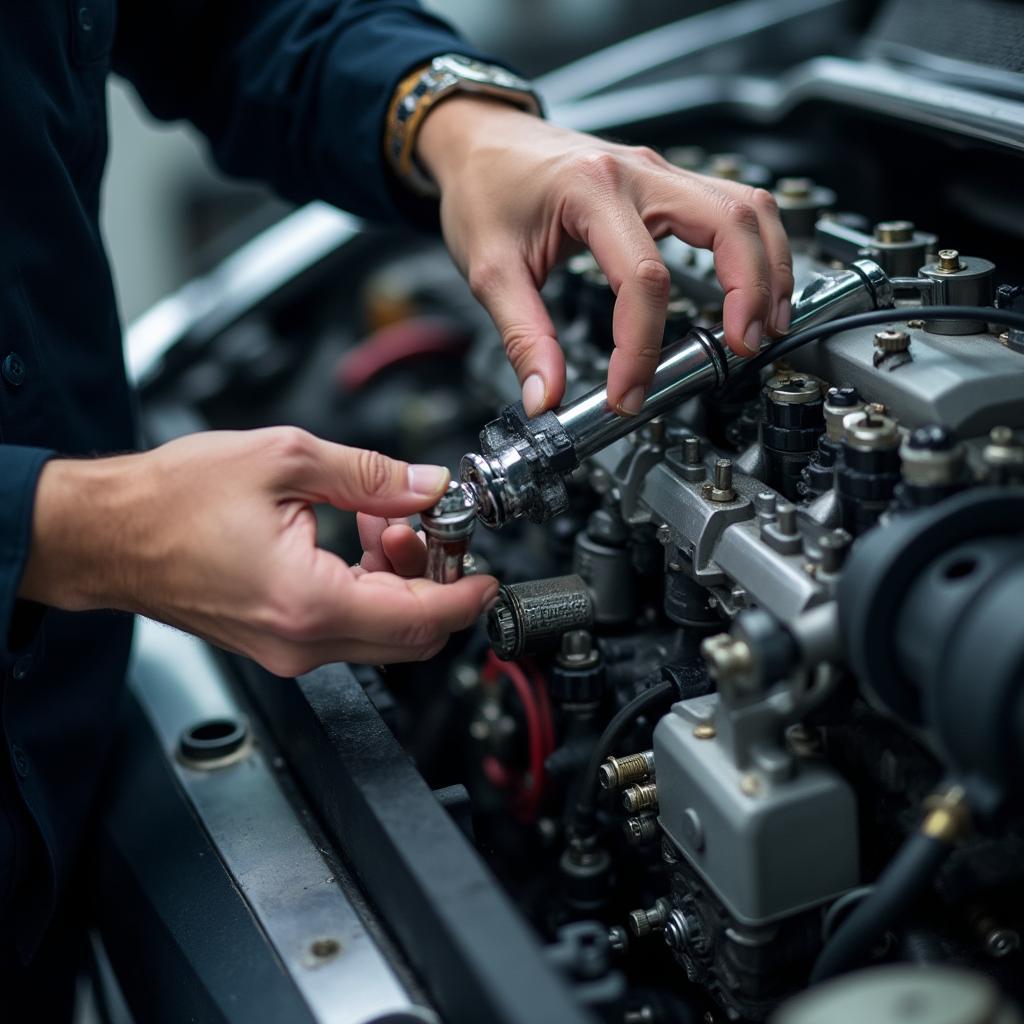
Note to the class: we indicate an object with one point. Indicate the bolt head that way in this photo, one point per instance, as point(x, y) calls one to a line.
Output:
point(794, 188)
point(750, 784)
point(949, 260)
point(894, 231)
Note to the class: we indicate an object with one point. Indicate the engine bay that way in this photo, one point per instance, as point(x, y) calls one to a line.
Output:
point(748, 714)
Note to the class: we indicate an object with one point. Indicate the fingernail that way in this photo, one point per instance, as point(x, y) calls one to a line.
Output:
point(785, 311)
point(533, 394)
point(427, 480)
point(633, 401)
point(752, 339)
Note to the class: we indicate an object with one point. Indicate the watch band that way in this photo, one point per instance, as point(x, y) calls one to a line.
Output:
point(421, 90)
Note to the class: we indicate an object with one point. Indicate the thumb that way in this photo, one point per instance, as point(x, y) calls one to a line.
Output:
point(508, 292)
point(360, 480)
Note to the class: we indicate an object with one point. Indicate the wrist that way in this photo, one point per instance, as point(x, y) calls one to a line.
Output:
point(84, 524)
point(461, 125)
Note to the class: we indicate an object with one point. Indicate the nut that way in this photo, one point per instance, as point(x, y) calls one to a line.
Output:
point(892, 341)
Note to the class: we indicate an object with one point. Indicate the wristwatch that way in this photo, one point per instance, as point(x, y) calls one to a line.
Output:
point(420, 91)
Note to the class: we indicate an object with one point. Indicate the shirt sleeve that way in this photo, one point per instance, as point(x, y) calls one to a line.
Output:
point(19, 474)
point(294, 92)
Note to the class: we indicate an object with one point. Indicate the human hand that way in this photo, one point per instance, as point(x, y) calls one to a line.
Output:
point(215, 534)
point(516, 191)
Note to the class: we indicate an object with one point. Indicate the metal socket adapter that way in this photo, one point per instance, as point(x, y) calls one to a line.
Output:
point(449, 527)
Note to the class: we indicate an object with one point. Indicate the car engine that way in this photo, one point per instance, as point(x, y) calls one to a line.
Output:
point(748, 715)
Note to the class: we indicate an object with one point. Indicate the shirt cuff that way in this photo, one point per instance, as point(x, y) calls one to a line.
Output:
point(19, 474)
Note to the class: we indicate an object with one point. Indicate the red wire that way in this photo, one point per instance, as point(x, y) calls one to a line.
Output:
point(494, 668)
point(544, 703)
point(408, 339)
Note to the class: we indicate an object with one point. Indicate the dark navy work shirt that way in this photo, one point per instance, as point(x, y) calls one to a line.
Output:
point(291, 91)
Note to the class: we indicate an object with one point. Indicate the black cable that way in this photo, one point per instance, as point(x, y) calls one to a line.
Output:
point(893, 897)
point(1003, 317)
point(586, 799)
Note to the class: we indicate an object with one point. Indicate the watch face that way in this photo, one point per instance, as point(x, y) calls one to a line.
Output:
point(476, 71)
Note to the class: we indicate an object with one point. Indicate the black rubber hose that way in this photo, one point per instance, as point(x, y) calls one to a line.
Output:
point(1003, 317)
point(586, 799)
point(893, 897)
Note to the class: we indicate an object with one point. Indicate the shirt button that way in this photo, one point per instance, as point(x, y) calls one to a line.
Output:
point(85, 19)
point(22, 667)
point(20, 761)
point(13, 369)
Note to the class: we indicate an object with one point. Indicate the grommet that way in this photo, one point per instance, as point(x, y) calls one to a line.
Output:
point(214, 743)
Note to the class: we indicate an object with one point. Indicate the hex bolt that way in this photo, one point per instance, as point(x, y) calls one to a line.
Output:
point(894, 231)
point(664, 535)
point(622, 771)
point(794, 188)
point(720, 488)
point(949, 261)
point(785, 514)
point(644, 922)
point(641, 829)
point(641, 797)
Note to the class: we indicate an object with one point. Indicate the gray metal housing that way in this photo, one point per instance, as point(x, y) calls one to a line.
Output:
point(768, 846)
